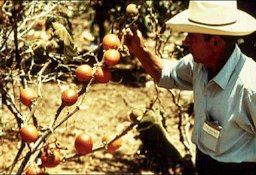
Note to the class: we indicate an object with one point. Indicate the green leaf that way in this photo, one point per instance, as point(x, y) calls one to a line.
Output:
point(61, 32)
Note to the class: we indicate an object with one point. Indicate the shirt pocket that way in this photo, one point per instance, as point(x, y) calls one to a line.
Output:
point(210, 140)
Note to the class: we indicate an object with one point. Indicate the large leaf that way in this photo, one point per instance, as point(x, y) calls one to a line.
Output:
point(61, 32)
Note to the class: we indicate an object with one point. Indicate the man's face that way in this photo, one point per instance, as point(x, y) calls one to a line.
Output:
point(200, 48)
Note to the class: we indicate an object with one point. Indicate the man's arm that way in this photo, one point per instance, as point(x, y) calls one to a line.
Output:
point(150, 62)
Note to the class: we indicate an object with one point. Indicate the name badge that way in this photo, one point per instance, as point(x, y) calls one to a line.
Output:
point(212, 129)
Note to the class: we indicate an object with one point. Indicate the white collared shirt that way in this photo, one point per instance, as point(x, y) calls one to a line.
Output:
point(228, 99)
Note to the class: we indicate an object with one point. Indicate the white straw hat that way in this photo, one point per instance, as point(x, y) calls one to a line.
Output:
point(213, 17)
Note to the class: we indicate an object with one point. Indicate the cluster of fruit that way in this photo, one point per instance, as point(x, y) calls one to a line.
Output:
point(51, 155)
point(85, 73)
point(111, 57)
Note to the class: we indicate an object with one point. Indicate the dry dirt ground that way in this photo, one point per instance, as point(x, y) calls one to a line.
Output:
point(104, 110)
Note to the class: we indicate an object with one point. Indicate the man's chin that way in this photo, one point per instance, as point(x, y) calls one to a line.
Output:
point(198, 61)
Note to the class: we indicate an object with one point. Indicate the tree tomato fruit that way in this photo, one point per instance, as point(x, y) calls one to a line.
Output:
point(51, 157)
point(111, 57)
point(132, 10)
point(27, 96)
point(112, 147)
point(110, 41)
point(84, 72)
point(38, 25)
point(69, 97)
point(29, 133)
point(33, 170)
point(83, 144)
point(102, 75)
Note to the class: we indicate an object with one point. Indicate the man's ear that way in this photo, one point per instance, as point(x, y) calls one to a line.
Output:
point(217, 43)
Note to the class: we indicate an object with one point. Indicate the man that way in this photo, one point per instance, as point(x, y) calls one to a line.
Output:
point(223, 81)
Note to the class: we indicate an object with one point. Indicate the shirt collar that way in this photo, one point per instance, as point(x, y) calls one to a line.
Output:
point(224, 75)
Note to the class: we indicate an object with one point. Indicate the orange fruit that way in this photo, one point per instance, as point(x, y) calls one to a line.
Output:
point(51, 157)
point(83, 144)
point(29, 133)
point(27, 96)
point(110, 41)
point(111, 57)
point(38, 25)
point(84, 72)
point(102, 75)
point(69, 97)
point(112, 147)
point(33, 170)
point(132, 10)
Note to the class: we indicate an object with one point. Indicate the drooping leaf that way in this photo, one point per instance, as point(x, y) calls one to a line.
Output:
point(63, 35)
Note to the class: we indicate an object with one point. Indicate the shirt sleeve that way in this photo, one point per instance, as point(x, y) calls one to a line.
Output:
point(177, 74)
point(247, 120)
point(249, 123)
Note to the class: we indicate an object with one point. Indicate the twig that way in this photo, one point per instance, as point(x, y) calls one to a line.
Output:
point(16, 42)
point(24, 162)
point(52, 127)
point(43, 14)
point(16, 159)
point(180, 115)
point(6, 39)
point(42, 138)
point(125, 131)
point(7, 100)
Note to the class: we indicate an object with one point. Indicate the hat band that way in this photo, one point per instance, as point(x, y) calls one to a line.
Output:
point(212, 24)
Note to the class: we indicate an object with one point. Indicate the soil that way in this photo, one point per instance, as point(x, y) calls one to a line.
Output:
point(105, 109)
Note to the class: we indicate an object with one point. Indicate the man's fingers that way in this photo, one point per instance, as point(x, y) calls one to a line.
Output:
point(127, 31)
point(127, 36)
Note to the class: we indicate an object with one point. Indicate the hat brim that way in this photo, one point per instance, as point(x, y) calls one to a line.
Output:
point(244, 25)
